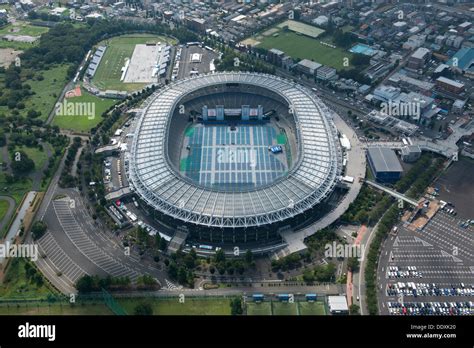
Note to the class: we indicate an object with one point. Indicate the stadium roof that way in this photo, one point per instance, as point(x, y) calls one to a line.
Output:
point(384, 159)
point(312, 178)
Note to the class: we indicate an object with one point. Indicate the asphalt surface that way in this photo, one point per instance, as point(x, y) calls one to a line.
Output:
point(442, 254)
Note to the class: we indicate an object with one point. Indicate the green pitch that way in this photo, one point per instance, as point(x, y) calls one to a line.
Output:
point(118, 50)
point(312, 308)
point(284, 308)
point(304, 47)
point(83, 123)
point(263, 308)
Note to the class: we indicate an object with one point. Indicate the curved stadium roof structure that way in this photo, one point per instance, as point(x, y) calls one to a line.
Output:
point(310, 180)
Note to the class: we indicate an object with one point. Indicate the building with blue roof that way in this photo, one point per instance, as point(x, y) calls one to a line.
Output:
point(463, 61)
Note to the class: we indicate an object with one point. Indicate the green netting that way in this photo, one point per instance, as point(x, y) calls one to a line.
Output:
point(112, 304)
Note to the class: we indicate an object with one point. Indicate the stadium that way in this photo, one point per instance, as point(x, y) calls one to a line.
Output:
point(232, 157)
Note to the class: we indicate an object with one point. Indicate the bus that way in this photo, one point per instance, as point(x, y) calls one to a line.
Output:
point(258, 297)
point(206, 247)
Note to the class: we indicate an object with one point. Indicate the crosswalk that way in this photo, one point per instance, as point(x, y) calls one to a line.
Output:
point(86, 246)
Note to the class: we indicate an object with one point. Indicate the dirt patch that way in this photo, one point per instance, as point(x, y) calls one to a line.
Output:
point(7, 56)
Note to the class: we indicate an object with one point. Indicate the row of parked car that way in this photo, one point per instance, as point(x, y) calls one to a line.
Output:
point(431, 308)
point(424, 289)
point(397, 272)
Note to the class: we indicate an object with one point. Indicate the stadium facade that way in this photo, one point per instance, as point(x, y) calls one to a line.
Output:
point(243, 213)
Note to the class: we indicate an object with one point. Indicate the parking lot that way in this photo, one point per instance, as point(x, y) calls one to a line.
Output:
point(95, 253)
point(193, 60)
point(428, 272)
point(455, 186)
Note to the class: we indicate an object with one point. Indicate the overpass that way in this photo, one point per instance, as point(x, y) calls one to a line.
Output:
point(393, 193)
point(117, 194)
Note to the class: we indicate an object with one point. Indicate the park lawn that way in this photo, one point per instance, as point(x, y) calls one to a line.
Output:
point(191, 306)
point(312, 308)
point(17, 189)
point(38, 156)
point(300, 46)
point(284, 308)
point(3, 208)
point(118, 50)
point(16, 285)
point(47, 90)
point(55, 309)
point(84, 123)
point(24, 29)
point(262, 308)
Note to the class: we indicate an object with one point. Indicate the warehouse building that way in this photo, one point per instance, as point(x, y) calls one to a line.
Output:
point(384, 164)
point(338, 305)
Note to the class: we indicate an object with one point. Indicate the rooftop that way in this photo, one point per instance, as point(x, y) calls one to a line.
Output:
point(384, 159)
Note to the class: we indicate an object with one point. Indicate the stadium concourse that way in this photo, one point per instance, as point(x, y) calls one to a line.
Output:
point(215, 205)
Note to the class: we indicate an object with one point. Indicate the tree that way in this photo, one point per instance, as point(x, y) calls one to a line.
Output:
point(220, 256)
point(353, 264)
point(236, 306)
point(38, 229)
point(85, 284)
point(143, 309)
point(354, 309)
point(21, 164)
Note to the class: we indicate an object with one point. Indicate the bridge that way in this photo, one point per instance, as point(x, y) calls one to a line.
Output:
point(393, 193)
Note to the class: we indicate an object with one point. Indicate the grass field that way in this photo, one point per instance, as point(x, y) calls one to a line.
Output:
point(312, 308)
point(56, 309)
point(300, 46)
point(118, 50)
point(191, 306)
point(38, 156)
point(284, 308)
point(20, 28)
point(263, 308)
point(3, 208)
point(17, 286)
point(83, 123)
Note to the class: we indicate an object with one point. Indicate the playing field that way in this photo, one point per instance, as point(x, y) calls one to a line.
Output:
point(263, 308)
point(119, 49)
point(284, 308)
point(224, 158)
point(21, 29)
point(191, 306)
point(83, 121)
point(300, 46)
point(312, 308)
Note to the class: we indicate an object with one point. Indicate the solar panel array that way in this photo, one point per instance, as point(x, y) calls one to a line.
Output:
point(311, 180)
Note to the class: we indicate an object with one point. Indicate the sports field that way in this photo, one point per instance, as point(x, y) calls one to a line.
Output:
point(300, 46)
point(301, 41)
point(263, 308)
point(83, 121)
point(284, 308)
point(118, 50)
point(21, 29)
point(312, 308)
point(191, 306)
